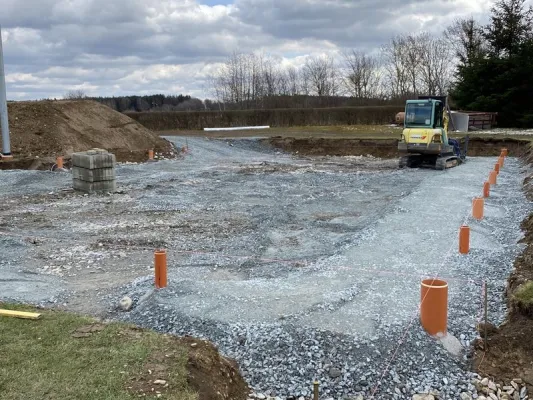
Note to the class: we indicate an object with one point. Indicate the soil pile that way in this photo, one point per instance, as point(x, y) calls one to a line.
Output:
point(59, 128)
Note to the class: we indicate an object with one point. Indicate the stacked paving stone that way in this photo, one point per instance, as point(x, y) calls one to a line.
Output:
point(94, 171)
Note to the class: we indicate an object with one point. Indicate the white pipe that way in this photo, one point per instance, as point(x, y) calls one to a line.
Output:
point(237, 128)
point(4, 122)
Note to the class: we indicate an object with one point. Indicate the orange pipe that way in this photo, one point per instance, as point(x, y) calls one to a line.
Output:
point(150, 154)
point(478, 205)
point(505, 152)
point(497, 168)
point(464, 239)
point(486, 189)
point(59, 162)
point(160, 262)
point(501, 161)
point(434, 306)
point(492, 177)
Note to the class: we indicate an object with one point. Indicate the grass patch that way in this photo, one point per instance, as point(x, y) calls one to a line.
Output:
point(64, 356)
point(523, 296)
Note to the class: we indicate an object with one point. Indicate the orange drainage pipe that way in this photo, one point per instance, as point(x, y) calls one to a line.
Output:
point(150, 154)
point(497, 167)
point(486, 189)
point(434, 306)
point(505, 152)
point(464, 239)
point(59, 162)
point(501, 161)
point(160, 262)
point(492, 177)
point(478, 205)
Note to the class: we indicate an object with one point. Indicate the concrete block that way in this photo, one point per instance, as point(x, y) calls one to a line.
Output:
point(93, 175)
point(91, 187)
point(93, 159)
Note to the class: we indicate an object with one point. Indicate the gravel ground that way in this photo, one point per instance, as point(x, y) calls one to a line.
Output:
point(299, 268)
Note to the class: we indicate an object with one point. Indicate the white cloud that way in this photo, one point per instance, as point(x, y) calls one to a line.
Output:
point(112, 47)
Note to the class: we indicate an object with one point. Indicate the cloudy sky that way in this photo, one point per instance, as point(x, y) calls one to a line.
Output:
point(120, 47)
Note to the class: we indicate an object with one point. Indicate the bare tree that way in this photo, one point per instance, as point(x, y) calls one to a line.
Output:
point(435, 64)
point(361, 74)
point(396, 67)
point(321, 76)
point(77, 94)
point(465, 37)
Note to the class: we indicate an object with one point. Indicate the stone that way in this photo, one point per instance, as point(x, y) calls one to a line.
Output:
point(485, 381)
point(260, 396)
point(493, 396)
point(125, 303)
point(335, 372)
point(423, 396)
point(523, 392)
point(465, 396)
point(492, 386)
point(160, 382)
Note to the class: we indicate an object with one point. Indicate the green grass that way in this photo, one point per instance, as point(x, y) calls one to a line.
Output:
point(40, 359)
point(524, 295)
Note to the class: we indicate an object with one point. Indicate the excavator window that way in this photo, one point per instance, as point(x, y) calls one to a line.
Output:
point(419, 114)
point(438, 115)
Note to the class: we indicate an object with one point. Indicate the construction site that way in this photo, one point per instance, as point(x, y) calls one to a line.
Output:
point(299, 253)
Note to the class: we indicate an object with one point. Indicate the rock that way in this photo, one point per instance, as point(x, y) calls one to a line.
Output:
point(160, 382)
point(194, 344)
point(485, 381)
point(523, 392)
point(423, 396)
point(335, 372)
point(493, 396)
point(492, 386)
point(465, 396)
point(260, 396)
point(125, 303)
point(515, 385)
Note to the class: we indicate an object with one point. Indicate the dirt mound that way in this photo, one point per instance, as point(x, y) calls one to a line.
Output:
point(54, 128)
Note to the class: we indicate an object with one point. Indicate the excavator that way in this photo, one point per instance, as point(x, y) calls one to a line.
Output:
point(424, 141)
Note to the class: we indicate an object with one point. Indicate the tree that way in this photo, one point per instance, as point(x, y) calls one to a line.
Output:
point(466, 38)
point(435, 67)
point(511, 25)
point(502, 81)
point(321, 76)
point(361, 77)
point(77, 94)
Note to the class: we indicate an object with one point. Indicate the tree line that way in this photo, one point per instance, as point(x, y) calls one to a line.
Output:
point(494, 72)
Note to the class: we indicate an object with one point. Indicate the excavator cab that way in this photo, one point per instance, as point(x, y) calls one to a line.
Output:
point(424, 140)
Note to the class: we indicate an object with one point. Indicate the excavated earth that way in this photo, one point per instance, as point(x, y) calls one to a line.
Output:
point(43, 130)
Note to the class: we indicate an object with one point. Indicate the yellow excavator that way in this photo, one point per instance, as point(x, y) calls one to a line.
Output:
point(424, 141)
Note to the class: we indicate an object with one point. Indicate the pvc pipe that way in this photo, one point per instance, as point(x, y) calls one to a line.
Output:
point(434, 306)
point(477, 208)
point(497, 168)
point(505, 152)
point(150, 154)
point(493, 177)
point(160, 263)
point(501, 161)
point(486, 189)
point(237, 128)
point(59, 162)
point(464, 239)
point(4, 122)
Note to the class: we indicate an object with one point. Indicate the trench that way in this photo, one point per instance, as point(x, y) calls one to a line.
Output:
point(387, 148)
